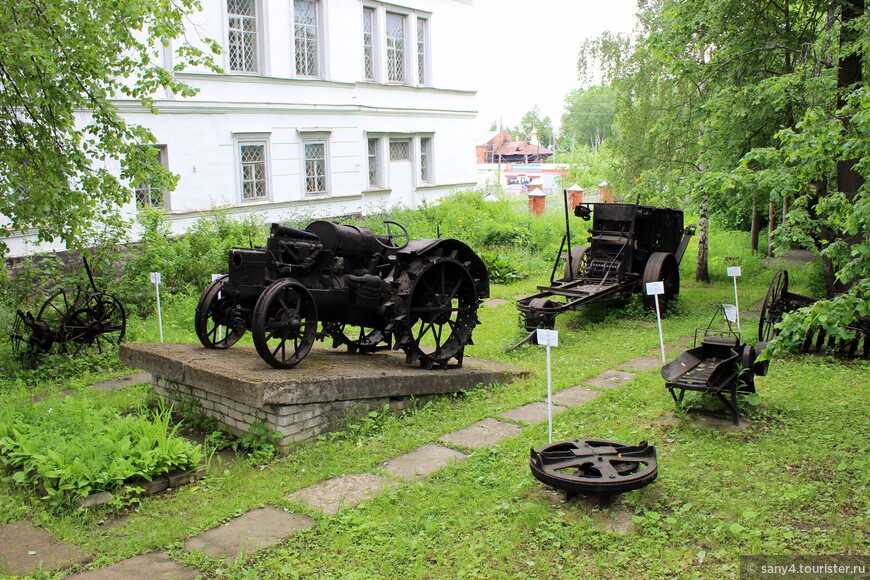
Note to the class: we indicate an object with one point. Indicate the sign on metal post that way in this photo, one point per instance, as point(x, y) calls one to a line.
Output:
point(655, 289)
point(734, 272)
point(549, 338)
point(155, 279)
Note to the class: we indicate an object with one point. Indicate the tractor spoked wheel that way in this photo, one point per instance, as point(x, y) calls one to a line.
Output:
point(361, 339)
point(218, 322)
point(284, 324)
point(594, 466)
point(97, 319)
point(439, 312)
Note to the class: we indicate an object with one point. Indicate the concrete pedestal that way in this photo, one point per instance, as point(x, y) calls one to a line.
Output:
point(326, 390)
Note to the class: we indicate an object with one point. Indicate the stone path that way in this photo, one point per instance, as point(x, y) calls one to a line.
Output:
point(25, 548)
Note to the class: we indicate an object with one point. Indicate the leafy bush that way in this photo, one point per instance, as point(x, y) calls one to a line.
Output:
point(74, 446)
point(501, 269)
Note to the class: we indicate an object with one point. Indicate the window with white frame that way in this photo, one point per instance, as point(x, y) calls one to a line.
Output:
point(306, 35)
point(369, 43)
point(374, 163)
point(426, 159)
point(150, 195)
point(400, 150)
point(243, 30)
point(253, 157)
point(422, 24)
point(395, 47)
point(316, 182)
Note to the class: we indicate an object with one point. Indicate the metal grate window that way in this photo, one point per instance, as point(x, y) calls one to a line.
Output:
point(253, 170)
point(374, 172)
point(395, 48)
point(305, 32)
point(369, 43)
point(242, 35)
point(315, 168)
point(421, 51)
point(425, 159)
point(400, 150)
point(148, 195)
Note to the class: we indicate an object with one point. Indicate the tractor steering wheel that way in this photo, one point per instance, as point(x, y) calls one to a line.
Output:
point(395, 240)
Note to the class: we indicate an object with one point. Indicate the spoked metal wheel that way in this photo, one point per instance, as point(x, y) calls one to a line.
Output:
point(43, 334)
point(440, 312)
point(362, 339)
point(97, 319)
point(284, 324)
point(661, 267)
point(578, 265)
point(773, 307)
point(594, 466)
point(218, 322)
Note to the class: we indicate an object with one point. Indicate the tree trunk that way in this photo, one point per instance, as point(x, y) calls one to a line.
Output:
point(756, 225)
point(771, 227)
point(702, 273)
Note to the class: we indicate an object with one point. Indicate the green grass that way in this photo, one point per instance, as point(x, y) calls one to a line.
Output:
point(794, 482)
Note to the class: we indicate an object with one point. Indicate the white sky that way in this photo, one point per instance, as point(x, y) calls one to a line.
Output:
point(534, 47)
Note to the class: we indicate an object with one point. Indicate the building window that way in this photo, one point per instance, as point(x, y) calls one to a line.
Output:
point(395, 48)
point(421, 50)
point(253, 157)
point(305, 33)
point(426, 159)
point(400, 150)
point(148, 194)
point(374, 164)
point(315, 168)
point(242, 16)
point(369, 43)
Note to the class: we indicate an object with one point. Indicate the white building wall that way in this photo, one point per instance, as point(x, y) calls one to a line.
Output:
point(200, 133)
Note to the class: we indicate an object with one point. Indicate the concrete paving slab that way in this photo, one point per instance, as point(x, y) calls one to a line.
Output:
point(144, 567)
point(256, 529)
point(126, 381)
point(492, 302)
point(532, 413)
point(24, 549)
point(610, 378)
point(419, 463)
point(575, 396)
point(341, 492)
point(481, 434)
point(642, 364)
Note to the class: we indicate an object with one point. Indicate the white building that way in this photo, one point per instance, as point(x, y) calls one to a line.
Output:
point(325, 107)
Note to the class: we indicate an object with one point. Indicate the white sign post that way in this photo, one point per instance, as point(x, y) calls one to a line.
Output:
point(549, 338)
point(654, 289)
point(155, 279)
point(734, 272)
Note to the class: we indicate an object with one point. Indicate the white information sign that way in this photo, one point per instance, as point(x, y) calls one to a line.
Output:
point(730, 312)
point(155, 277)
point(655, 288)
point(215, 277)
point(548, 337)
point(733, 270)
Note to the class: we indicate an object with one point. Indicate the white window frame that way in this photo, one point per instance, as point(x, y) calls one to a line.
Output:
point(425, 157)
point(421, 52)
point(374, 36)
point(381, 52)
point(376, 179)
point(319, 40)
point(259, 43)
point(313, 137)
point(144, 188)
point(247, 139)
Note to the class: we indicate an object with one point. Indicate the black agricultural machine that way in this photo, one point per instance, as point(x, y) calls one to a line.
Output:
point(344, 282)
point(779, 301)
point(629, 245)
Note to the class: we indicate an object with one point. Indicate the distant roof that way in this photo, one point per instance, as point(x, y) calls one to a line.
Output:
point(522, 148)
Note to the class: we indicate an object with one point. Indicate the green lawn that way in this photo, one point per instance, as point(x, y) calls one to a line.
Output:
point(794, 482)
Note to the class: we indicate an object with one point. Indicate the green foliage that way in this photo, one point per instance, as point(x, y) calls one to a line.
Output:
point(62, 171)
point(73, 447)
point(501, 269)
point(588, 118)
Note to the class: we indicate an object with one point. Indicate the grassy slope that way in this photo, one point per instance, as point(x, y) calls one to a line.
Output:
point(794, 482)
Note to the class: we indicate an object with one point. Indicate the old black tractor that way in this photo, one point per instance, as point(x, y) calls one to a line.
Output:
point(628, 246)
point(344, 282)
